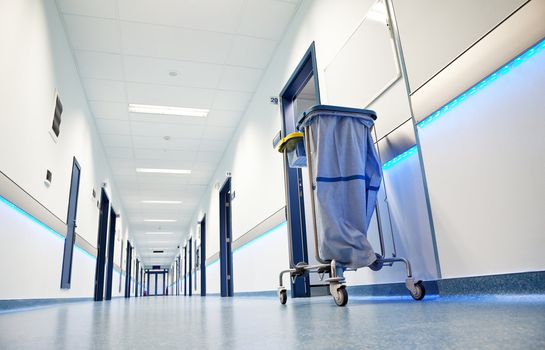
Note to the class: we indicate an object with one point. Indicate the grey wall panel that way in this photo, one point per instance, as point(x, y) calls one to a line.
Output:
point(520, 31)
point(433, 33)
point(397, 142)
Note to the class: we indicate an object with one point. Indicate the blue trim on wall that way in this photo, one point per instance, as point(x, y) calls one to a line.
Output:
point(480, 86)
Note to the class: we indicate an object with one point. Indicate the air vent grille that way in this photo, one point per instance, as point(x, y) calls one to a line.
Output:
point(57, 117)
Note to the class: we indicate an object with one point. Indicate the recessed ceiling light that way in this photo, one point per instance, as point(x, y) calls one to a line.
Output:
point(160, 220)
point(159, 233)
point(163, 171)
point(168, 110)
point(161, 202)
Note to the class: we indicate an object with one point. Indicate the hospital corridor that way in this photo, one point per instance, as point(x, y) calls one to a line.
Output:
point(272, 174)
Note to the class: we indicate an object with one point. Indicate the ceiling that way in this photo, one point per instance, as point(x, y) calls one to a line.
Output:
point(185, 53)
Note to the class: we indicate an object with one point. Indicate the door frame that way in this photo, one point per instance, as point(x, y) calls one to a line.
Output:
point(295, 206)
point(128, 270)
point(190, 269)
point(69, 240)
point(226, 240)
point(202, 223)
point(110, 259)
point(101, 245)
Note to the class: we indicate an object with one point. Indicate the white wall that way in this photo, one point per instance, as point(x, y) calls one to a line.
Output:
point(36, 60)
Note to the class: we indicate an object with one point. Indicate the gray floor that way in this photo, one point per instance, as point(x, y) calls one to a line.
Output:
point(508, 322)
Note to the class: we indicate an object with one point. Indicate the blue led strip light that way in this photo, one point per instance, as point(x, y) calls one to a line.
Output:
point(482, 84)
point(407, 154)
point(42, 225)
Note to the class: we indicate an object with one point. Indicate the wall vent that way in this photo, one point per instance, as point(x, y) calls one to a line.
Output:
point(158, 251)
point(56, 127)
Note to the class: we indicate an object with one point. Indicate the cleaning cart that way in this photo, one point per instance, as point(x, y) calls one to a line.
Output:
point(336, 146)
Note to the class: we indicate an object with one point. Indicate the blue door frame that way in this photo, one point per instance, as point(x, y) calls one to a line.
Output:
point(184, 279)
point(226, 253)
point(128, 271)
point(297, 236)
point(110, 262)
point(190, 270)
point(66, 274)
point(203, 256)
point(101, 245)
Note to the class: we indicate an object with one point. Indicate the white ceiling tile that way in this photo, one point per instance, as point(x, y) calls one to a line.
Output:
point(231, 100)
point(163, 154)
point(172, 130)
point(97, 8)
point(154, 70)
point(99, 65)
point(116, 140)
point(218, 133)
point(213, 146)
point(113, 126)
point(120, 152)
point(218, 117)
point(251, 52)
point(105, 90)
point(189, 145)
point(167, 119)
point(219, 15)
point(175, 96)
point(94, 34)
point(174, 43)
point(212, 157)
point(110, 110)
point(266, 18)
point(240, 79)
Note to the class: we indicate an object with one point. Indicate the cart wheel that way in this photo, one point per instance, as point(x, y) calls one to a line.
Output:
point(377, 265)
point(283, 296)
point(342, 296)
point(420, 291)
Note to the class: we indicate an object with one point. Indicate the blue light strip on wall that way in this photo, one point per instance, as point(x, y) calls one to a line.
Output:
point(407, 154)
point(482, 84)
point(42, 225)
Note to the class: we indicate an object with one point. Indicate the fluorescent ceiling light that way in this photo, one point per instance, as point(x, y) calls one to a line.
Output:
point(159, 233)
point(163, 171)
point(160, 220)
point(166, 110)
point(161, 202)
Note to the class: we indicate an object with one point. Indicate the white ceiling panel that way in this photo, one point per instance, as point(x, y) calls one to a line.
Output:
point(220, 15)
point(240, 79)
point(218, 133)
point(120, 152)
point(174, 43)
point(231, 100)
point(96, 34)
point(110, 110)
point(162, 154)
point(164, 95)
point(208, 156)
point(251, 52)
point(105, 90)
point(213, 146)
point(266, 18)
point(97, 8)
point(99, 65)
point(116, 140)
point(167, 119)
point(113, 126)
point(172, 130)
point(156, 71)
point(188, 145)
point(218, 117)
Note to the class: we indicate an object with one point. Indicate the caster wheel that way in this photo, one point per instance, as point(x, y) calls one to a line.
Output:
point(420, 291)
point(342, 296)
point(377, 265)
point(283, 296)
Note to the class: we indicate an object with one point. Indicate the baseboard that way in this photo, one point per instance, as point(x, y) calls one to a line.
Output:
point(27, 304)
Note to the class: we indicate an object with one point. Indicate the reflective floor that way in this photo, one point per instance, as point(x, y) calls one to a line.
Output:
point(262, 323)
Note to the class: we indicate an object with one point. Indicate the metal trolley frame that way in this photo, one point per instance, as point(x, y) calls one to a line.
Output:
point(337, 287)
